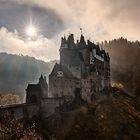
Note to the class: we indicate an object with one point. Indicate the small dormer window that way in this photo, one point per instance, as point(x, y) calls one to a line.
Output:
point(60, 74)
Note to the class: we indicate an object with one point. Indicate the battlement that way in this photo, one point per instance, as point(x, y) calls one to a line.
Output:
point(70, 44)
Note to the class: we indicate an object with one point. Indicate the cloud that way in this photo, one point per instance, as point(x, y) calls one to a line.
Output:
point(42, 48)
point(17, 16)
point(100, 20)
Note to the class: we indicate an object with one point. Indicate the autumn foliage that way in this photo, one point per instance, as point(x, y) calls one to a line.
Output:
point(9, 99)
point(13, 129)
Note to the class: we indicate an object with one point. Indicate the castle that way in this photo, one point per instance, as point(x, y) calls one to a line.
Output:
point(84, 70)
point(82, 65)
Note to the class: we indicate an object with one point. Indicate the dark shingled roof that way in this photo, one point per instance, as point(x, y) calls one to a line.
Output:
point(66, 72)
point(34, 87)
point(99, 51)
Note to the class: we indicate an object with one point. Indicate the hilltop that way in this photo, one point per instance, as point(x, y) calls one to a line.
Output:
point(111, 116)
point(16, 71)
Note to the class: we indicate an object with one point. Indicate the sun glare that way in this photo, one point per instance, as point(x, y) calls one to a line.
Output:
point(31, 31)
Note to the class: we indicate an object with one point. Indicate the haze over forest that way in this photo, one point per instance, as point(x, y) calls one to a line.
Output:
point(100, 19)
point(18, 71)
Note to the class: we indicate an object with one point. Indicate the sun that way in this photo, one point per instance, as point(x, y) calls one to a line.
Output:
point(31, 31)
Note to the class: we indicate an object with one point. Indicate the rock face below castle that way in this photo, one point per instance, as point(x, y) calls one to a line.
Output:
point(82, 65)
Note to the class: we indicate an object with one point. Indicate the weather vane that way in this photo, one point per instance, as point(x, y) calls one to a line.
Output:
point(81, 31)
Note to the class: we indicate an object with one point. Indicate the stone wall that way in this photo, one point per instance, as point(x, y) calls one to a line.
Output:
point(59, 87)
point(20, 110)
point(49, 105)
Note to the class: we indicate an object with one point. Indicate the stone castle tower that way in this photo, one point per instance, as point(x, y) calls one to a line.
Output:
point(88, 65)
point(36, 92)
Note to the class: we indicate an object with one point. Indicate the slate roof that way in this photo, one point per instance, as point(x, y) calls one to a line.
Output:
point(66, 72)
point(34, 87)
point(99, 51)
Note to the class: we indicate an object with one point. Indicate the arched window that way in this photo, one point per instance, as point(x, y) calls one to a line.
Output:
point(60, 73)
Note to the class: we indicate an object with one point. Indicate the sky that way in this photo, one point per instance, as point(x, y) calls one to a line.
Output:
point(100, 20)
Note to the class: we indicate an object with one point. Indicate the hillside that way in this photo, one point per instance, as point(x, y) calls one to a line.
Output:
point(125, 63)
point(17, 71)
point(112, 116)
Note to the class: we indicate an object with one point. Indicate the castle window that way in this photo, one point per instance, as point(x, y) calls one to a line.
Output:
point(60, 73)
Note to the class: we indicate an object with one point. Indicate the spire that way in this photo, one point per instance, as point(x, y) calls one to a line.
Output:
point(81, 31)
point(65, 39)
point(42, 80)
point(71, 43)
point(82, 40)
point(41, 77)
point(62, 41)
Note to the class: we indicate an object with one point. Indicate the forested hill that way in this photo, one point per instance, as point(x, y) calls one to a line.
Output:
point(17, 71)
point(125, 63)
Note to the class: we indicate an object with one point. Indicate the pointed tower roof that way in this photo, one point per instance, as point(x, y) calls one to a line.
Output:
point(82, 38)
point(82, 42)
point(66, 72)
point(41, 77)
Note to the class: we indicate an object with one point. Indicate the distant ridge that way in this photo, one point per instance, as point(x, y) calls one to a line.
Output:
point(16, 71)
